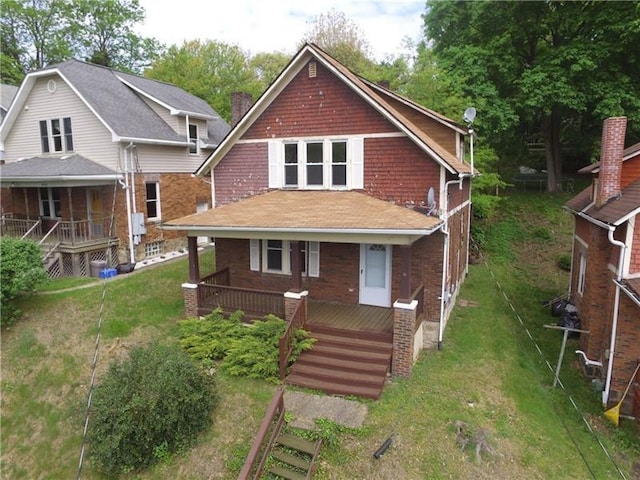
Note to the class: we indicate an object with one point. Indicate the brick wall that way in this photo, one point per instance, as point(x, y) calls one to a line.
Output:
point(317, 106)
point(243, 172)
point(404, 320)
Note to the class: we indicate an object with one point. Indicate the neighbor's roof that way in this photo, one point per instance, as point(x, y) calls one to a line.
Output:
point(7, 92)
point(55, 170)
point(615, 211)
point(115, 98)
point(309, 211)
point(393, 107)
point(628, 153)
point(632, 287)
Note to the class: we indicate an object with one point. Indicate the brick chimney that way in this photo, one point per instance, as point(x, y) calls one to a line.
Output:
point(240, 104)
point(611, 153)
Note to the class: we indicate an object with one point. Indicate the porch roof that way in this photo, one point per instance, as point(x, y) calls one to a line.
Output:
point(64, 171)
point(337, 216)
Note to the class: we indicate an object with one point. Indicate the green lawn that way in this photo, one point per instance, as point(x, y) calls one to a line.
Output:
point(489, 375)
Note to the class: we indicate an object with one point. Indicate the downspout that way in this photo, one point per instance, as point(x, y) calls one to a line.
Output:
point(614, 321)
point(445, 257)
point(132, 258)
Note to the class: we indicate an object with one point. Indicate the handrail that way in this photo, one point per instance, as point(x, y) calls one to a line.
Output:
point(221, 277)
point(285, 344)
point(51, 230)
point(252, 302)
point(275, 410)
point(50, 252)
point(33, 227)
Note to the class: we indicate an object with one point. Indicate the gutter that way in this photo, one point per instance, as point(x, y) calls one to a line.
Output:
point(355, 231)
point(614, 321)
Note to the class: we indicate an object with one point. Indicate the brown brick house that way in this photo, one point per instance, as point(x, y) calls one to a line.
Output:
point(605, 274)
point(339, 192)
point(95, 160)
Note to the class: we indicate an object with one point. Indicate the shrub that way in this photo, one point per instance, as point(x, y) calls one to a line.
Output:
point(151, 405)
point(21, 270)
point(564, 261)
point(250, 351)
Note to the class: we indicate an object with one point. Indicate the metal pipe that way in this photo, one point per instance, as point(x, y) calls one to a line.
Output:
point(132, 258)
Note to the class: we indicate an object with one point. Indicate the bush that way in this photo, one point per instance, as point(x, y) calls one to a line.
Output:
point(250, 351)
point(564, 262)
point(21, 270)
point(156, 401)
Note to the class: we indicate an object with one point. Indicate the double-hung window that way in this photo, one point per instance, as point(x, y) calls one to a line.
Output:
point(193, 139)
point(50, 202)
point(153, 200)
point(277, 257)
point(331, 164)
point(56, 135)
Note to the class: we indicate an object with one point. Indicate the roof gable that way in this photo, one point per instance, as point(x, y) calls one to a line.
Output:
point(114, 98)
point(376, 98)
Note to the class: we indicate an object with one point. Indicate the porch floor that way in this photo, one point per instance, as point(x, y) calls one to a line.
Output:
point(361, 318)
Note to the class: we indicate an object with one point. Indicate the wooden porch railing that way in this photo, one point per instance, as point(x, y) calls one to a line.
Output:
point(254, 303)
point(418, 294)
point(74, 232)
point(20, 228)
point(285, 343)
point(269, 431)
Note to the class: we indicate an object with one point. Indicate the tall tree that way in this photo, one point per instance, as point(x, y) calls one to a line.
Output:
point(105, 34)
point(341, 38)
point(561, 67)
point(37, 33)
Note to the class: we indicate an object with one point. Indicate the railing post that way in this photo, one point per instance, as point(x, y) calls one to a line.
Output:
point(190, 291)
point(291, 302)
point(404, 320)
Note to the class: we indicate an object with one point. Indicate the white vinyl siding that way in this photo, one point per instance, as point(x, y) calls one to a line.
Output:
point(314, 164)
point(91, 138)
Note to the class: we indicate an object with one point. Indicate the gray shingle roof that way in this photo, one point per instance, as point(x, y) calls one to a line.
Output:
point(67, 166)
point(7, 92)
point(123, 109)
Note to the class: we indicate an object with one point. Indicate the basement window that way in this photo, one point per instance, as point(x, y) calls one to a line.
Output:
point(153, 249)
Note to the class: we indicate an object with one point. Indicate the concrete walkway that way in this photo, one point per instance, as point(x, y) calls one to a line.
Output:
point(306, 407)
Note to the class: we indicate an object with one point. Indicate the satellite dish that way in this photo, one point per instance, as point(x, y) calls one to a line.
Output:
point(431, 200)
point(469, 115)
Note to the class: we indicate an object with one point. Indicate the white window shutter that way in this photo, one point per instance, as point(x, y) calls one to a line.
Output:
point(314, 259)
point(276, 165)
point(254, 253)
point(356, 148)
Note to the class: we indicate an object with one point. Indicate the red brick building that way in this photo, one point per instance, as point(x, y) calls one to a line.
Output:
point(95, 160)
point(334, 189)
point(605, 274)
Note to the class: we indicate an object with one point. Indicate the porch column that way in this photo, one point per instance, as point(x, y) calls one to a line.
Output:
point(404, 320)
point(73, 223)
point(194, 265)
point(296, 269)
point(291, 302)
point(405, 272)
point(190, 291)
point(26, 201)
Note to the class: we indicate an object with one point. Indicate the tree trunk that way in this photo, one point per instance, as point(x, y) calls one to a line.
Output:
point(553, 150)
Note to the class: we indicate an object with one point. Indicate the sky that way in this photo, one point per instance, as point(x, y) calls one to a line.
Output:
point(278, 25)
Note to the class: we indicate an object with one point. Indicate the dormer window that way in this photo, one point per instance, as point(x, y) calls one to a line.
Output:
point(56, 135)
point(193, 139)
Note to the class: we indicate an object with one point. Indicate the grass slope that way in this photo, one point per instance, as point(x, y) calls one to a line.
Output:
point(488, 375)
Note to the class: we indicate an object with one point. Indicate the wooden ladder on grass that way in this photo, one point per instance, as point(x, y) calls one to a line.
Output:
point(294, 457)
point(284, 455)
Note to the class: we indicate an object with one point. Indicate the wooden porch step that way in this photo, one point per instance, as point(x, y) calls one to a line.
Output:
point(334, 388)
point(316, 328)
point(297, 443)
point(340, 376)
point(353, 343)
point(341, 364)
point(290, 459)
point(350, 354)
point(286, 473)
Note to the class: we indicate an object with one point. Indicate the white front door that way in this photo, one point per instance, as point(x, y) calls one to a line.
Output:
point(375, 275)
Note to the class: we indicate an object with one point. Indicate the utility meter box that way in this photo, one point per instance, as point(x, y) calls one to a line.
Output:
point(137, 223)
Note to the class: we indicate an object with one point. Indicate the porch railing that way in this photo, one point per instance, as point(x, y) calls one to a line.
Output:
point(269, 431)
point(72, 232)
point(418, 294)
point(285, 344)
point(254, 303)
point(20, 228)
